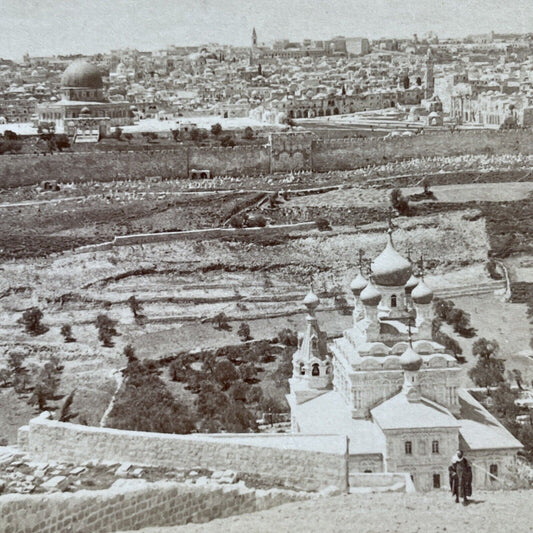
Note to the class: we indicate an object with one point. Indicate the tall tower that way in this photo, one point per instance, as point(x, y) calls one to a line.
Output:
point(429, 79)
point(254, 39)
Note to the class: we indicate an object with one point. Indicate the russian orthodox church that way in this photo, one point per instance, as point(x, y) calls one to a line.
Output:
point(393, 391)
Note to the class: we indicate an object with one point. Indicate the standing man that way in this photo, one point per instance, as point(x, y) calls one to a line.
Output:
point(460, 477)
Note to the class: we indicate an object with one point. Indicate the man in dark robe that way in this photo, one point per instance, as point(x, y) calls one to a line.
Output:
point(460, 473)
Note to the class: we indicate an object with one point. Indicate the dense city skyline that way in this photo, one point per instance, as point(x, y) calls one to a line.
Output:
point(51, 28)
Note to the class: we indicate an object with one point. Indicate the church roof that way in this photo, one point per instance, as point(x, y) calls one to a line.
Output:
point(391, 269)
point(398, 413)
point(479, 429)
point(328, 414)
point(370, 295)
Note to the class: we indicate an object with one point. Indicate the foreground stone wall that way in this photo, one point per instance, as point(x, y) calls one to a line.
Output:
point(303, 462)
point(133, 505)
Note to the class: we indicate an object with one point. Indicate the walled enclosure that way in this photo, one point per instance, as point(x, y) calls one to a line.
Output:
point(285, 153)
point(133, 505)
point(305, 462)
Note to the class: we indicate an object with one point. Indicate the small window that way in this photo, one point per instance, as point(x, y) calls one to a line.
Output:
point(435, 446)
point(436, 481)
point(408, 447)
point(393, 300)
point(493, 469)
point(367, 471)
point(302, 369)
point(315, 370)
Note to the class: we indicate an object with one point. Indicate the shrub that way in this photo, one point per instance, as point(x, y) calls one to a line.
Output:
point(236, 221)
point(248, 372)
point(31, 319)
point(145, 404)
point(244, 331)
point(257, 221)
point(106, 329)
point(65, 413)
point(288, 337)
point(66, 331)
point(221, 321)
point(227, 141)
point(225, 373)
point(399, 202)
point(248, 133)
point(322, 224)
point(487, 372)
point(216, 129)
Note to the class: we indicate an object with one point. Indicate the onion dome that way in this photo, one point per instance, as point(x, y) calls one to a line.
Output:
point(82, 74)
point(412, 282)
point(311, 301)
point(370, 296)
point(358, 284)
point(390, 269)
point(410, 360)
point(422, 294)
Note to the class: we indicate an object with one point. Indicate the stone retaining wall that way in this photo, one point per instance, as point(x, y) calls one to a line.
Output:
point(133, 505)
point(307, 462)
point(200, 234)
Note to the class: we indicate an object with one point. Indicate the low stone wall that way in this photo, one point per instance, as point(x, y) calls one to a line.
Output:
point(307, 462)
point(200, 234)
point(133, 505)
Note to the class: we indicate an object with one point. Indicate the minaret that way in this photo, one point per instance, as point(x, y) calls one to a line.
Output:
point(254, 39)
point(411, 363)
point(311, 366)
point(429, 79)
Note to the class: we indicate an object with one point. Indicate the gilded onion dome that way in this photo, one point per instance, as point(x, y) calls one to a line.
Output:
point(358, 284)
point(370, 296)
point(410, 360)
point(422, 294)
point(390, 269)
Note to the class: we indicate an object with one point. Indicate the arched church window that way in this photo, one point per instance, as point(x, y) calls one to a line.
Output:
point(302, 369)
point(408, 447)
point(316, 370)
point(393, 301)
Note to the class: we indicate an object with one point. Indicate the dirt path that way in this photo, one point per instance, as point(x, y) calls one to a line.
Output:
point(490, 512)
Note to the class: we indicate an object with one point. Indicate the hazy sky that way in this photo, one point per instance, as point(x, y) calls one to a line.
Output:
point(86, 26)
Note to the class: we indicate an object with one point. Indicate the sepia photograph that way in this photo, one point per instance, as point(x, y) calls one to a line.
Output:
point(266, 266)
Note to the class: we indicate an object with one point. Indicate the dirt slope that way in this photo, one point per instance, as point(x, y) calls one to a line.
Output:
point(490, 512)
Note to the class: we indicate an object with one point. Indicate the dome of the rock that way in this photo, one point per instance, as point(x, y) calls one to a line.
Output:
point(82, 74)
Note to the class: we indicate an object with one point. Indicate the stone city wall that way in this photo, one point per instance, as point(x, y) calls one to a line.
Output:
point(349, 153)
point(286, 153)
point(133, 505)
point(304, 462)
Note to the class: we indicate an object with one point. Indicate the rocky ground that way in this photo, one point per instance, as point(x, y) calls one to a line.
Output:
point(489, 512)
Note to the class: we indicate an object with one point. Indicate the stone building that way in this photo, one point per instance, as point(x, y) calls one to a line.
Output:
point(83, 106)
point(392, 390)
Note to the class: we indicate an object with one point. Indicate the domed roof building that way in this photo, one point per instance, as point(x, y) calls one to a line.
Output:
point(82, 74)
point(84, 112)
point(393, 391)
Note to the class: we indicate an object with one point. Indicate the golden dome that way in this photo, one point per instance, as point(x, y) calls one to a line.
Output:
point(390, 269)
point(82, 74)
